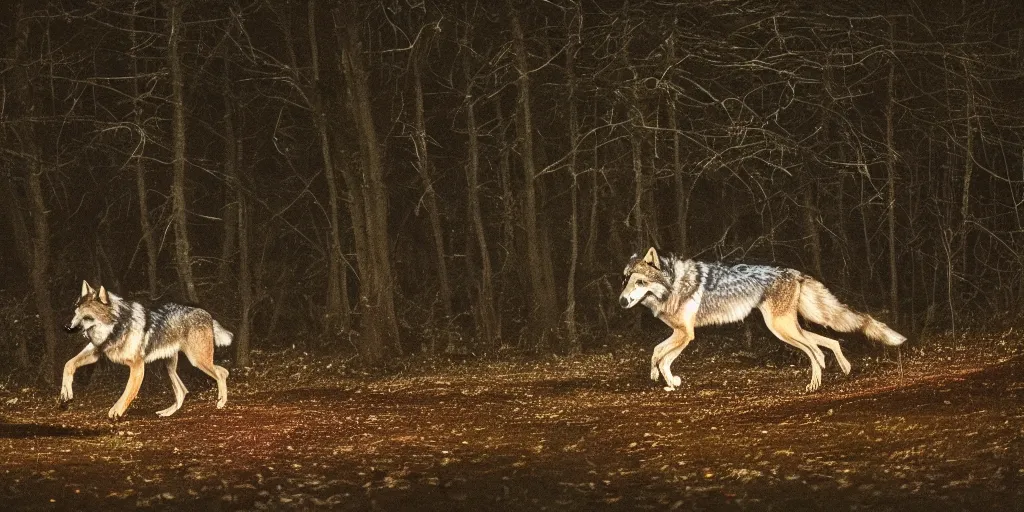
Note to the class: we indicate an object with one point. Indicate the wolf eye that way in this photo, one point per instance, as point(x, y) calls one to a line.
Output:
point(87, 318)
point(640, 282)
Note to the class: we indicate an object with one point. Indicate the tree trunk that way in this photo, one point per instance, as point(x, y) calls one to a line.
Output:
point(338, 307)
point(179, 210)
point(965, 204)
point(890, 163)
point(590, 250)
point(39, 262)
point(509, 213)
point(429, 194)
point(140, 170)
point(489, 327)
point(810, 208)
point(41, 266)
point(379, 323)
point(542, 302)
point(238, 184)
point(682, 181)
point(574, 28)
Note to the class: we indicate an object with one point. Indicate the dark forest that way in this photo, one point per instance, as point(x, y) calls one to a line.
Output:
point(414, 217)
point(387, 178)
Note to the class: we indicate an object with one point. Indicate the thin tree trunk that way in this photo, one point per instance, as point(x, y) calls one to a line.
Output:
point(425, 171)
point(590, 250)
point(140, 171)
point(965, 196)
point(575, 23)
point(489, 328)
point(41, 267)
point(380, 325)
point(10, 200)
point(682, 183)
point(810, 208)
point(179, 210)
point(238, 184)
point(542, 303)
point(338, 306)
point(229, 237)
point(891, 215)
point(508, 201)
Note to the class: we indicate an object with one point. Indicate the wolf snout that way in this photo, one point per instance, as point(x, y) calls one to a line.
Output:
point(71, 329)
point(624, 302)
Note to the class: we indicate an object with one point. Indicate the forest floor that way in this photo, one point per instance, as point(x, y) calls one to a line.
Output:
point(941, 430)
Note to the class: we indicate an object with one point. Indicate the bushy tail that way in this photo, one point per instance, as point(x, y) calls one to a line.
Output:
point(818, 305)
point(221, 336)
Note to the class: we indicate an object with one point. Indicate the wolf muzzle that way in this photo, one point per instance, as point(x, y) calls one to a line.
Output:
point(624, 302)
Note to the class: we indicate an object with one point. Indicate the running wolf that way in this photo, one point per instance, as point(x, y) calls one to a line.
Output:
point(129, 334)
point(686, 294)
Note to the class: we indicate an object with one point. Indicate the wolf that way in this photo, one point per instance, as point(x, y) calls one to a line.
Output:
point(127, 333)
point(685, 294)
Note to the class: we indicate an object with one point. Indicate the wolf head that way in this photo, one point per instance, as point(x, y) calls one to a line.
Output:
point(643, 277)
point(94, 314)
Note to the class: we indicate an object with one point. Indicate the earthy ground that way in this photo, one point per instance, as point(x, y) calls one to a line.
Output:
point(944, 430)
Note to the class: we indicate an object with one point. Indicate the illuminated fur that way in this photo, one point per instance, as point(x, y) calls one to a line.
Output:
point(686, 294)
point(129, 334)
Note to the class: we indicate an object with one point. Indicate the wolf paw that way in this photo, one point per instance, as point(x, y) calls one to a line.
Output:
point(115, 412)
point(669, 388)
point(813, 385)
point(845, 366)
point(655, 374)
point(66, 395)
point(163, 413)
point(676, 381)
point(222, 402)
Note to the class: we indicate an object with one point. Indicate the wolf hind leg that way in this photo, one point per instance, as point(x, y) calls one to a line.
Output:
point(832, 345)
point(786, 329)
point(198, 347)
point(176, 385)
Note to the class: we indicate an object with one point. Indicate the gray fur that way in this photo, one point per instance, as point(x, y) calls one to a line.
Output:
point(125, 332)
point(685, 294)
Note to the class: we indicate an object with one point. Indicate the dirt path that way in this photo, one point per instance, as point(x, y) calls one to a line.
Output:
point(581, 434)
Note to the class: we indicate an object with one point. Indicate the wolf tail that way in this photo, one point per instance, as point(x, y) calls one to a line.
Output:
point(221, 336)
point(818, 305)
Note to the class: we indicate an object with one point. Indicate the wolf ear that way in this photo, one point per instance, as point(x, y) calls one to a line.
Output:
point(651, 258)
point(104, 297)
point(86, 289)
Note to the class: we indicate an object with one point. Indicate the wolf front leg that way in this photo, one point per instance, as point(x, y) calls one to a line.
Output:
point(87, 356)
point(681, 338)
point(138, 370)
point(659, 352)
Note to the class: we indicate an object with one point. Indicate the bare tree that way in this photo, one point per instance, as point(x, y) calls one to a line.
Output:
point(574, 22)
point(488, 322)
point(542, 302)
point(418, 58)
point(379, 325)
point(338, 307)
point(142, 190)
point(30, 159)
point(182, 250)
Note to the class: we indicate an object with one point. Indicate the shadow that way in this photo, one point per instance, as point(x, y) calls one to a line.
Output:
point(29, 430)
point(946, 394)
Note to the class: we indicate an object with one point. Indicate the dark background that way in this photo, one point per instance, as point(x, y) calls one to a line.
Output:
point(354, 202)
